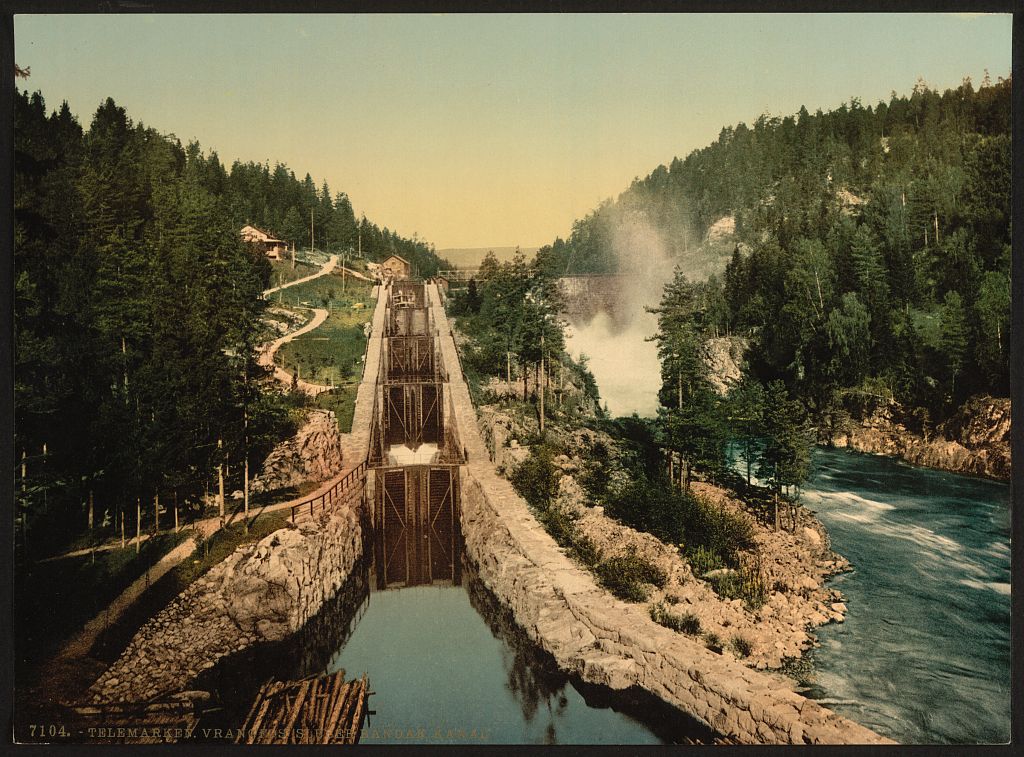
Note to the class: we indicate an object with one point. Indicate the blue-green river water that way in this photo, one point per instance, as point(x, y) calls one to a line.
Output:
point(924, 654)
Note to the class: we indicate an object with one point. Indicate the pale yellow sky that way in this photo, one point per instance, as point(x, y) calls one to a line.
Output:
point(480, 130)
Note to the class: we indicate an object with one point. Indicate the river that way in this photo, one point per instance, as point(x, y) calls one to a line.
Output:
point(924, 654)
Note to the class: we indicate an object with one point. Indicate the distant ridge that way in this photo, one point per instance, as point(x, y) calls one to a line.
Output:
point(471, 257)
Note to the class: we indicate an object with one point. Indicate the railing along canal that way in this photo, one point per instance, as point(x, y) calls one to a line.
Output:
point(341, 487)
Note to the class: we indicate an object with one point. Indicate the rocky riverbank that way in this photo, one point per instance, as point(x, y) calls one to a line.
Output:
point(793, 565)
point(975, 440)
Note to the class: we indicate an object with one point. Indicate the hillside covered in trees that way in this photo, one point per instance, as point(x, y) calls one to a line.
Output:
point(871, 251)
point(137, 310)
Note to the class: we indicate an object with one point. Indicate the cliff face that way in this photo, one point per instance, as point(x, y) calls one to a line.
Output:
point(976, 440)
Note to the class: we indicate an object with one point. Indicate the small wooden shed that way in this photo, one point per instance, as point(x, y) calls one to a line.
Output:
point(397, 267)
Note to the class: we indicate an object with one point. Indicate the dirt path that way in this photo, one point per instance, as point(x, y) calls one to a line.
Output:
point(326, 269)
point(266, 357)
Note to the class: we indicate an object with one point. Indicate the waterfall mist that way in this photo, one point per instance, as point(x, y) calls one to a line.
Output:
point(624, 363)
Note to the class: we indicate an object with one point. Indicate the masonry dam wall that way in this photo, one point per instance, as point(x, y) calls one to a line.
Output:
point(584, 296)
point(600, 638)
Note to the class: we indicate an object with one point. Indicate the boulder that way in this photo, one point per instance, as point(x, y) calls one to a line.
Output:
point(314, 454)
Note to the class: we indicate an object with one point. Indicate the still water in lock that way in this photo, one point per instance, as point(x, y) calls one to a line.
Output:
point(924, 654)
point(449, 665)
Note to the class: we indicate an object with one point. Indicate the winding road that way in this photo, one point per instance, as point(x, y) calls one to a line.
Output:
point(267, 352)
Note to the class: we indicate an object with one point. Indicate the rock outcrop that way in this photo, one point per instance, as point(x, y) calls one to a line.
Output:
point(724, 356)
point(314, 454)
point(261, 593)
point(976, 440)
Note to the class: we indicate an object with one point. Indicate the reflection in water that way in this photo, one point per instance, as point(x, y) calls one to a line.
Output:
point(448, 664)
point(534, 678)
point(235, 679)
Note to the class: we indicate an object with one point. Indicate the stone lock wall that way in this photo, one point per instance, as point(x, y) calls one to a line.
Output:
point(262, 592)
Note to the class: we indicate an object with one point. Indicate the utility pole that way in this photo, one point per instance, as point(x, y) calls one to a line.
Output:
point(124, 363)
point(44, 478)
point(156, 512)
point(220, 479)
point(24, 502)
point(138, 524)
point(540, 383)
point(311, 240)
point(245, 452)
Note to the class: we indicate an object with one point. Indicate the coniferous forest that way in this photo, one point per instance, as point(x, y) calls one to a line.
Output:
point(871, 248)
point(137, 309)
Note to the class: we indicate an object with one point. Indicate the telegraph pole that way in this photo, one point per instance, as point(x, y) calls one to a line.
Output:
point(245, 449)
point(220, 479)
point(541, 382)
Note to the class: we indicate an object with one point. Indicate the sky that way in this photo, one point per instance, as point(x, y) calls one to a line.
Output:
point(486, 130)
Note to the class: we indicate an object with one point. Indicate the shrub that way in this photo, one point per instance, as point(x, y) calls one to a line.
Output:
point(625, 576)
point(723, 531)
point(557, 523)
point(651, 506)
point(584, 550)
point(686, 622)
point(800, 669)
point(703, 560)
point(746, 583)
point(741, 646)
point(536, 478)
point(713, 642)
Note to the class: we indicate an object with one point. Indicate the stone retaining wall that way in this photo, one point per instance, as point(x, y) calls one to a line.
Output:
point(261, 593)
point(603, 639)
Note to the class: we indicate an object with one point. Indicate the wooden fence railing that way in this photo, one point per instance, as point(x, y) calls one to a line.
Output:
point(323, 499)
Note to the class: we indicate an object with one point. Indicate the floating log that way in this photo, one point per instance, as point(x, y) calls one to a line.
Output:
point(323, 709)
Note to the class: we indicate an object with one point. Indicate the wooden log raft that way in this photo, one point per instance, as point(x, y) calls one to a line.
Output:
point(316, 710)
